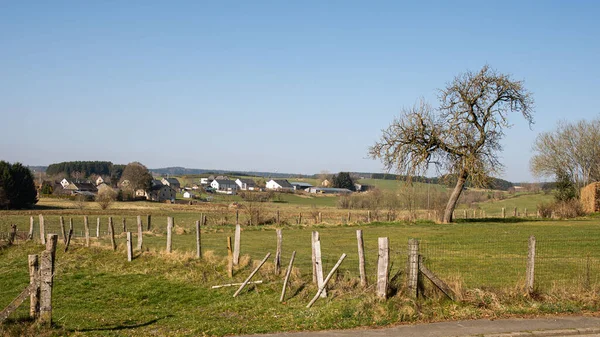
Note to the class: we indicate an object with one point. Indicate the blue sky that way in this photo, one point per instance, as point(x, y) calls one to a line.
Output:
point(272, 85)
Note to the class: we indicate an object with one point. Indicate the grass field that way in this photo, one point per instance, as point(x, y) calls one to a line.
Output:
point(99, 293)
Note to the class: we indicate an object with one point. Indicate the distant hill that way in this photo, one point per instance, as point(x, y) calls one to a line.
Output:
point(38, 168)
point(178, 171)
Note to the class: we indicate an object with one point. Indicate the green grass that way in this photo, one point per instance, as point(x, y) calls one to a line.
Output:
point(99, 293)
point(521, 202)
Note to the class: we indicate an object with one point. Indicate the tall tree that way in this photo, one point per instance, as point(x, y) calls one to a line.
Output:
point(343, 180)
point(462, 136)
point(571, 151)
point(138, 176)
point(17, 188)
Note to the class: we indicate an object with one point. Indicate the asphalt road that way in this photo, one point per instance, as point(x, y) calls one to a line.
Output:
point(514, 327)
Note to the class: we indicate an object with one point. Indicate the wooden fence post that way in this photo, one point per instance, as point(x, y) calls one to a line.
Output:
point(361, 258)
point(503, 212)
point(278, 217)
point(287, 276)
point(515, 212)
point(111, 233)
point(47, 280)
point(525, 212)
point(229, 258)
point(42, 230)
point(129, 247)
point(124, 225)
point(300, 219)
point(383, 267)
point(413, 267)
point(34, 280)
point(169, 234)
point(368, 216)
point(348, 217)
point(278, 252)
point(237, 217)
point(98, 227)
point(30, 234)
point(320, 218)
point(252, 274)
point(62, 229)
point(319, 267)
point(314, 237)
point(322, 288)
point(149, 220)
point(86, 227)
point(529, 280)
point(70, 235)
point(236, 245)
point(198, 242)
point(464, 213)
point(140, 228)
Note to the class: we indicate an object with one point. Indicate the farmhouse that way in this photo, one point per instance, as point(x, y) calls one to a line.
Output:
point(328, 190)
point(161, 193)
point(172, 182)
point(279, 184)
point(224, 186)
point(298, 185)
point(83, 188)
point(246, 184)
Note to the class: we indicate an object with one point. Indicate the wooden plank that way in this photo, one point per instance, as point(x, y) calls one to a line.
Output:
point(236, 245)
point(383, 269)
point(252, 274)
point(287, 276)
point(15, 303)
point(361, 258)
point(436, 280)
point(278, 251)
point(322, 288)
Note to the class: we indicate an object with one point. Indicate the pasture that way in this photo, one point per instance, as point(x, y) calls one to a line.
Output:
point(99, 293)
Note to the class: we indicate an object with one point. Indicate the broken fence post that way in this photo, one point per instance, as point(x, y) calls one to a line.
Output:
point(322, 288)
point(287, 276)
point(252, 274)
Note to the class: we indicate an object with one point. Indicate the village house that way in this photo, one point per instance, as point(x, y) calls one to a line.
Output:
point(246, 184)
point(224, 186)
point(161, 193)
point(188, 195)
point(279, 185)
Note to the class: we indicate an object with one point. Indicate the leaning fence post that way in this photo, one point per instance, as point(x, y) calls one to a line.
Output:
point(278, 252)
point(319, 267)
point(42, 230)
point(236, 245)
point(111, 233)
point(529, 281)
point(383, 267)
point(30, 234)
point(361, 258)
point(169, 234)
point(198, 242)
point(124, 225)
point(322, 288)
point(34, 280)
point(140, 228)
point(413, 267)
point(86, 227)
point(47, 279)
point(129, 247)
point(252, 274)
point(287, 276)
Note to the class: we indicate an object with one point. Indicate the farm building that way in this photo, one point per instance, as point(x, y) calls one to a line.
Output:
point(590, 198)
point(246, 184)
point(224, 185)
point(279, 184)
point(328, 190)
point(298, 185)
point(188, 195)
point(161, 193)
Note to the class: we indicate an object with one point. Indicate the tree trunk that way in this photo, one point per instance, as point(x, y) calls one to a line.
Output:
point(460, 183)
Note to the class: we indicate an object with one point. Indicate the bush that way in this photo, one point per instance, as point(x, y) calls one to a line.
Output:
point(561, 209)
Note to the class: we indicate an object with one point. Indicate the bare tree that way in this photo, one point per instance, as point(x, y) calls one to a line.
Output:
point(571, 150)
point(462, 136)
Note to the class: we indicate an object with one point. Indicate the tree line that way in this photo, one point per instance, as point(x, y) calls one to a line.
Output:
point(86, 169)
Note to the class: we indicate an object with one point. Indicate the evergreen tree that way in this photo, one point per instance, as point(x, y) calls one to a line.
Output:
point(343, 180)
point(17, 189)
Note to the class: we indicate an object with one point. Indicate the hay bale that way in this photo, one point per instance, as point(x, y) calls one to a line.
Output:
point(590, 198)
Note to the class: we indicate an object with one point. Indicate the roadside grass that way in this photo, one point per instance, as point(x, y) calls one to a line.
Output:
point(99, 293)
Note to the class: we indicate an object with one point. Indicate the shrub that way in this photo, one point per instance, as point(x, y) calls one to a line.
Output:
point(561, 209)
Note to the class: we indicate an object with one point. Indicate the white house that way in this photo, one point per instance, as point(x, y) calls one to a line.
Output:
point(246, 184)
point(224, 185)
point(64, 183)
point(204, 181)
point(188, 195)
point(279, 184)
